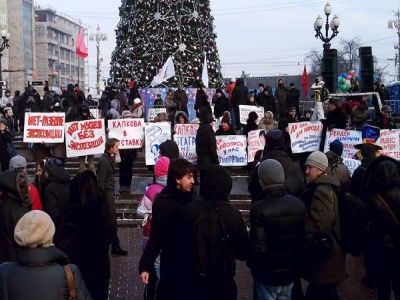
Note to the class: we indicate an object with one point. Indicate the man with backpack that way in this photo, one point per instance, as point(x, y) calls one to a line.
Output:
point(276, 233)
point(218, 238)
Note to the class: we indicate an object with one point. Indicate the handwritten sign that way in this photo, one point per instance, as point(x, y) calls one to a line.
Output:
point(244, 111)
point(305, 136)
point(348, 138)
point(85, 137)
point(44, 127)
point(351, 164)
point(185, 138)
point(255, 142)
point(155, 134)
point(389, 140)
point(153, 112)
point(231, 150)
point(129, 132)
point(95, 112)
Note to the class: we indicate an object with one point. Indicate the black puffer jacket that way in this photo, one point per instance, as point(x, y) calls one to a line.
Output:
point(56, 194)
point(294, 180)
point(239, 93)
point(39, 274)
point(206, 147)
point(11, 210)
point(277, 233)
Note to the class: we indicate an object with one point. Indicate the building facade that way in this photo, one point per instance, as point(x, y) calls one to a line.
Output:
point(18, 62)
point(56, 61)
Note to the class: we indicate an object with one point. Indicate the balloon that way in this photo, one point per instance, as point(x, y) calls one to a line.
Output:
point(348, 76)
point(343, 88)
point(348, 83)
point(344, 74)
point(342, 80)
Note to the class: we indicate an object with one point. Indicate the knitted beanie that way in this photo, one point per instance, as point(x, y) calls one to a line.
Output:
point(270, 173)
point(161, 166)
point(317, 159)
point(337, 147)
point(17, 162)
point(34, 229)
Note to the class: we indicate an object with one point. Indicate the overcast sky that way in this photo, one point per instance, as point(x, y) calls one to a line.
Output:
point(261, 37)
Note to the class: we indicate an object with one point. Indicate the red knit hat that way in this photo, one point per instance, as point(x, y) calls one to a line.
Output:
point(161, 166)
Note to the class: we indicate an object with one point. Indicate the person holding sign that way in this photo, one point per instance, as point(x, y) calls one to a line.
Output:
point(84, 114)
point(158, 102)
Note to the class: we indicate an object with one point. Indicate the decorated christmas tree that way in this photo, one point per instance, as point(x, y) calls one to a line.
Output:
point(150, 31)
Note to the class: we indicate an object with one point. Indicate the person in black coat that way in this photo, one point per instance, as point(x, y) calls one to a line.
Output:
point(86, 232)
point(239, 97)
point(202, 106)
point(267, 100)
point(215, 189)
point(56, 194)
point(225, 128)
point(251, 123)
point(276, 233)
point(293, 98)
point(206, 145)
point(335, 117)
point(221, 103)
point(169, 237)
point(15, 109)
point(13, 205)
point(5, 139)
point(181, 99)
point(39, 270)
point(294, 179)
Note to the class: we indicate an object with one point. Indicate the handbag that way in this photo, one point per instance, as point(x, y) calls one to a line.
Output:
point(72, 295)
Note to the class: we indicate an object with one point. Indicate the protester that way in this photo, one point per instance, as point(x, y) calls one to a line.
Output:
point(359, 115)
point(19, 164)
point(336, 167)
point(174, 249)
point(181, 118)
point(221, 103)
point(171, 106)
point(202, 106)
point(276, 232)
point(251, 100)
point(122, 98)
point(321, 94)
point(84, 115)
point(324, 267)
point(169, 149)
point(251, 123)
point(6, 100)
point(294, 179)
point(86, 231)
point(137, 108)
point(14, 203)
point(381, 193)
point(267, 122)
point(293, 98)
point(230, 87)
point(206, 145)
point(385, 120)
point(213, 267)
point(289, 117)
point(158, 102)
point(225, 128)
point(181, 99)
point(335, 117)
point(161, 117)
point(113, 112)
point(125, 167)
point(9, 117)
point(105, 174)
point(281, 97)
point(239, 97)
point(80, 96)
point(41, 270)
point(15, 109)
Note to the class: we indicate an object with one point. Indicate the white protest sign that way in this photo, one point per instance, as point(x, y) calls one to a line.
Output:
point(351, 164)
point(129, 132)
point(153, 112)
point(155, 134)
point(185, 138)
point(305, 136)
point(85, 137)
point(348, 138)
point(255, 142)
point(389, 140)
point(244, 111)
point(95, 112)
point(44, 127)
point(231, 150)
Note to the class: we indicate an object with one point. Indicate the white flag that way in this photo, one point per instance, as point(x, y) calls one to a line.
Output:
point(167, 71)
point(204, 74)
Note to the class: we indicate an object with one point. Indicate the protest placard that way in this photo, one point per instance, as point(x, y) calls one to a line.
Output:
point(44, 127)
point(129, 132)
point(255, 142)
point(153, 112)
point(95, 112)
point(244, 111)
point(155, 134)
point(231, 150)
point(85, 137)
point(348, 138)
point(305, 136)
point(185, 138)
point(389, 140)
point(351, 164)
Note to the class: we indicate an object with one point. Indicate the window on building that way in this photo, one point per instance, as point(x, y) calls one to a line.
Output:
point(72, 70)
point(67, 69)
point(62, 69)
point(28, 32)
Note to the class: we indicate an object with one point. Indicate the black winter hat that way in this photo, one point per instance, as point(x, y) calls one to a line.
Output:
point(253, 116)
point(273, 140)
point(216, 184)
point(169, 149)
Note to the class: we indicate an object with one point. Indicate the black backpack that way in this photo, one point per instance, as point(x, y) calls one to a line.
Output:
point(354, 225)
point(213, 256)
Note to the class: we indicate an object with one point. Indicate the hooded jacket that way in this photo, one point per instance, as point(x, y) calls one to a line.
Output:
point(11, 210)
point(239, 93)
point(113, 113)
point(206, 147)
point(84, 108)
point(39, 274)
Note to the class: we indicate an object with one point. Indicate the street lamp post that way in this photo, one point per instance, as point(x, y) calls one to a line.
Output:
point(395, 24)
point(5, 37)
point(329, 57)
point(98, 37)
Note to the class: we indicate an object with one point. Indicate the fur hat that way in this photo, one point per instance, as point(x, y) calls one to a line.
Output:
point(161, 166)
point(137, 101)
point(34, 229)
point(318, 160)
point(270, 173)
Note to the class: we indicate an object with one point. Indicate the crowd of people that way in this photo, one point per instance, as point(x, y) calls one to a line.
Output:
point(307, 212)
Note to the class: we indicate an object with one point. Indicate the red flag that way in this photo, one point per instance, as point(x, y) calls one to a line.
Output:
point(305, 82)
point(81, 49)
